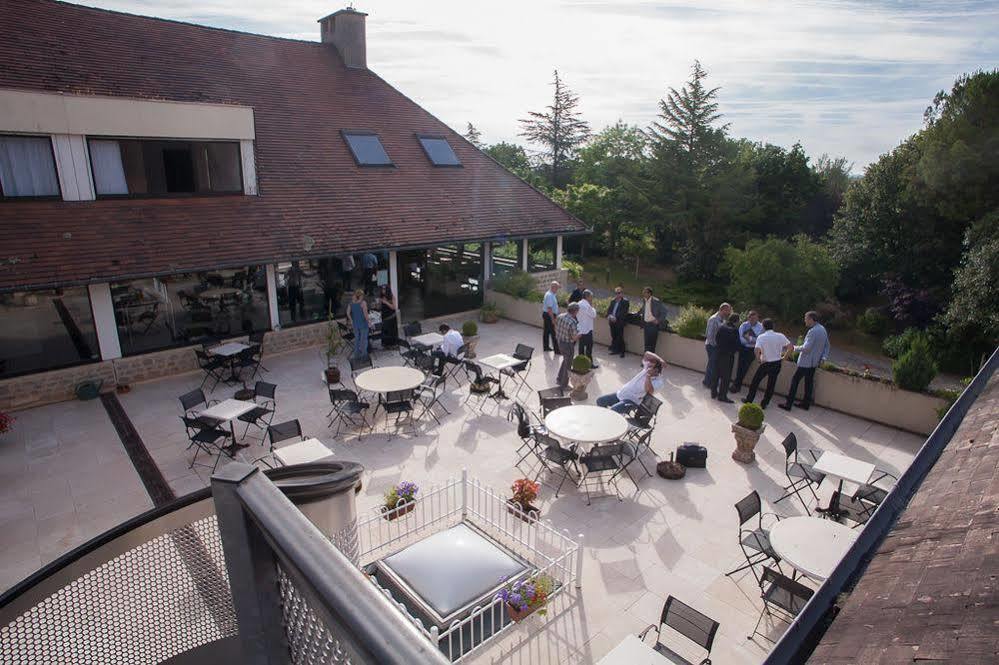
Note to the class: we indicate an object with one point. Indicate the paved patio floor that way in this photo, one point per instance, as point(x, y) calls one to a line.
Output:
point(64, 477)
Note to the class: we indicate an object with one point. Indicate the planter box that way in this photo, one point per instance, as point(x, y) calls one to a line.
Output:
point(397, 512)
point(516, 615)
point(530, 514)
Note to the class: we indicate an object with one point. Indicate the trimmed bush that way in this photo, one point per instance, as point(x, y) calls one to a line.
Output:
point(873, 321)
point(469, 329)
point(574, 269)
point(692, 322)
point(517, 283)
point(751, 416)
point(581, 364)
point(915, 369)
point(895, 346)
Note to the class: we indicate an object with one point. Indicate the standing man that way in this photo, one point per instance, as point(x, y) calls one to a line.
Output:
point(811, 354)
point(617, 316)
point(750, 329)
point(653, 314)
point(549, 312)
point(566, 333)
point(577, 293)
point(715, 321)
point(727, 346)
point(294, 283)
point(586, 317)
point(771, 347)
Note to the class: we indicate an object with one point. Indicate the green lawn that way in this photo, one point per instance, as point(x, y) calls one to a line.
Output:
point(599, 272)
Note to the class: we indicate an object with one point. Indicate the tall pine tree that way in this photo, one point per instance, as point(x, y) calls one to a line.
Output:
point(474, 136)
point(559, 130)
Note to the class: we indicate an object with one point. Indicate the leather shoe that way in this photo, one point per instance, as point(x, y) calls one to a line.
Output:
point(803, 405)
point(726, 400)
point(786, 407)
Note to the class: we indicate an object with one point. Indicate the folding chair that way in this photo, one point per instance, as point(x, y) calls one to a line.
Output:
point(429, 394)
point(754, 541)
point(400, 404)
point(782, 597)
point(347, 335)
point(277, 433)
point(549, 404)
point(684, 619)
point(456, 363)
point(212, 366)
point(192, 399)
point(408, 353)
point(873, 493)
point(205, 438)
point(562, 458)
point(479, 380)
point(262, 415)
point(602, 461)
point(248, 358)
point(519, 372)
point(358, 365)
point(800, 474)
point(257, 339)
point(347, 409)
point(528, 434)
point(412, 329)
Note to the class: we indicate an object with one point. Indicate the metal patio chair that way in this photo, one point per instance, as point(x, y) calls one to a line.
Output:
point(684, 619)
point(262, 415)
point(479, 381)
point(754, 540)
point(208, 439)
point(519, 372)
point(429, 394)
point(347, 410)
point(551, 399)
point(856, 510)
point(564, 459)
point(289, 429)
point(189, 401)
point(603, 461)
point(400, 404)
point(213, 366)
point(801, 475)
point(528, 433)
point(782, 598)
point(873, 493)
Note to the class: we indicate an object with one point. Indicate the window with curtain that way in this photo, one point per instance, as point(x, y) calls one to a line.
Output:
point(27, 167)
point(143, 167)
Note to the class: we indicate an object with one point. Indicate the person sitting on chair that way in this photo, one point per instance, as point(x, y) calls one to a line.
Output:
point(448, 348)
point(646, 382)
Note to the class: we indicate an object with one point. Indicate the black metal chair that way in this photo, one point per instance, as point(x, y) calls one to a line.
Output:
point(801, 475)
point(359, 364)
point(213, 367)
point(603, 461)
point(551, 399)
point(480, 385)
point(782, 597)
point(205, 438)
point(409, 353)
point(289, 429)
point(684, 619)
point(519, 372)
point(528, 433)
point(347, 335)
point(257, 339)
point(565, 459)
point(455, 364)
point(247, 359)
point(412, 329)
point(429, 394)
point(262, 415)
point(347, 410)
point(195, 398)
point(873, 493)
point(754, 541)
point(400, 404)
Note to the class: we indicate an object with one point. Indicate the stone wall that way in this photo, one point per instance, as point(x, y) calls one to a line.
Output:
point(544, 279)
point(55, 386)
point(299, 337)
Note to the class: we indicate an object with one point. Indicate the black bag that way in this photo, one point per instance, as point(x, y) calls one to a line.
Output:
point(692, 455)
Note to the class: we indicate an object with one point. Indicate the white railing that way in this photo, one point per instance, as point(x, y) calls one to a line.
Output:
point(547, 550)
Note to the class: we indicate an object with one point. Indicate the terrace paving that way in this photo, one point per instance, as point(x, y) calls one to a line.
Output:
point(64, 477)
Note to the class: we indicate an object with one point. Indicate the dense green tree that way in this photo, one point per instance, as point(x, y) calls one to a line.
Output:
point(972, 317)
point(784, 189)
point(515, 159)
point(559, 130)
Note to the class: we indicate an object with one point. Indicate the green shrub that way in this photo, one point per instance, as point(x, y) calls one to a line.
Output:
point(581, 364)
point(692, 322)
point(915, 369)
point(517, 283)
point(574, 269)
point(895, 346)
point(469, 329)
point(873, 321)
point(750, 416)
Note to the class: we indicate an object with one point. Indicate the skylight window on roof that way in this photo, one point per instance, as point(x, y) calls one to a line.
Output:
point(439, 151)
point(367, 149)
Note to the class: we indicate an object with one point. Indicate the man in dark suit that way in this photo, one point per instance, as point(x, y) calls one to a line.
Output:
point(653, 315)
point(728, 345)
point(617, 317)
point(577, 293)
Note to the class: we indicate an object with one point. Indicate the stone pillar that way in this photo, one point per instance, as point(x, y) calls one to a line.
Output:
point(487, 264)
point(394, 281)
point(272, 303)
point(523, 259)
point(558, 252)
point(104, 322)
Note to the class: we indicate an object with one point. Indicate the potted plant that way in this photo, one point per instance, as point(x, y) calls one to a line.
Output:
point(747, 432)
point(334, 345)
point(6, 422)
point(524, 492)
point(490, 312)
point(580, 375)
point(525, 597)
point(470, 336)
point(400, 500)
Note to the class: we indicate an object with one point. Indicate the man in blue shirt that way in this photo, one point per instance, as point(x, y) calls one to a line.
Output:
point(811, 354)
point(750, 329)
point(549, 312)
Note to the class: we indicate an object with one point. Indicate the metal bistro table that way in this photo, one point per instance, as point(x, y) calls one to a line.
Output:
point(842, 468)
point(382, 380)
point(229, 351)
point(811, 545)
point(585, 424)
point(427, 340)
point(302, 452)
point(633, 651)
point(225, 412)
point(500, 362)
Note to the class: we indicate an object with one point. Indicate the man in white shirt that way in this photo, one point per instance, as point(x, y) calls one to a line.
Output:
point(646, 382)
point(586, 316)
point(771, 348)
point(448, 351)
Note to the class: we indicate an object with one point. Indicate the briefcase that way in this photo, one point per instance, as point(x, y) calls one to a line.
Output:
point(692, 455)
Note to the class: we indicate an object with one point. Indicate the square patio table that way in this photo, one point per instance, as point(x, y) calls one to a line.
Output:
point(500, 362)
point(302, 452)
point(842, 468)
point(225, 412)
point(633, 651)
point(229, 351)
point(428, 340)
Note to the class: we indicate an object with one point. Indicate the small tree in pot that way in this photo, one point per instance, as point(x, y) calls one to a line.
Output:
point(470, 336)
point(489, 312)
point(580, 375)
point(747, 432)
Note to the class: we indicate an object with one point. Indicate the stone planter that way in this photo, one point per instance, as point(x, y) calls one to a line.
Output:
point(745, 442)
point(470, 344)
point(579, 383)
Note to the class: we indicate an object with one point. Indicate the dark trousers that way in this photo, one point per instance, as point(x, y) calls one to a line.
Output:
point(548, 333)
point(617, 337)
point(651, 336)
point(746, 357)
point(586, 345)
point(710, 370)
point(565, 349)
point(808, 374)
point(769, 370)
point(723, 371)
point(295, 301)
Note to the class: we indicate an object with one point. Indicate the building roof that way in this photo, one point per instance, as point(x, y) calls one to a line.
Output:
point(931, 592)
point(302, 96)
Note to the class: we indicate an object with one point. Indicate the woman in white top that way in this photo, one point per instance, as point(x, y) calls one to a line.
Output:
point(646, 382)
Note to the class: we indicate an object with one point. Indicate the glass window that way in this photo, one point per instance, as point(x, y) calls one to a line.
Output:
point(189, 308)
point(541, 254)
point(440, 281)
point(41, 330)
point(367, 149)
point(308, 289)
point(133, 167)
point(439, 151)
point(507, 256)
point(27, 167)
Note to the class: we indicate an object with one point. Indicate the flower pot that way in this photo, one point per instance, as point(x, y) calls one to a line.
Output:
point(579, 383)
point(470, 344)
point(397, 512)
point(332, 375)
point(527, 513)
point(489, 317)
point(518, 615)
point(745, 442)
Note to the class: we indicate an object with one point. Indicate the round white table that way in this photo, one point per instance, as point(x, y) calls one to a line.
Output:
point(811, 545)
point(585, 424)
point(388, 379)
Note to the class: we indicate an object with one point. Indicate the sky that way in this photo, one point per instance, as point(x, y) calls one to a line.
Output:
point(842, 77)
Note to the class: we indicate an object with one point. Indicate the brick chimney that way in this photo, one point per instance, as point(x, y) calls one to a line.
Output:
point(345, 30)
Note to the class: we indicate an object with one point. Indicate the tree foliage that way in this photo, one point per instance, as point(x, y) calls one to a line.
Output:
point(972, 317)
point(474, 136)
point(559, 130)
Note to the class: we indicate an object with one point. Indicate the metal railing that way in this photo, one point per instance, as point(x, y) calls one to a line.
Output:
point(802, 635)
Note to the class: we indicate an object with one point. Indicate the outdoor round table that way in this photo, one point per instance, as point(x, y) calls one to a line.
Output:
point(388, 379)
point(586, 425)
point(811, 545)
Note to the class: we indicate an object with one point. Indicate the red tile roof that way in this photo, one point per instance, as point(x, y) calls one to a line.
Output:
point(309, 185)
